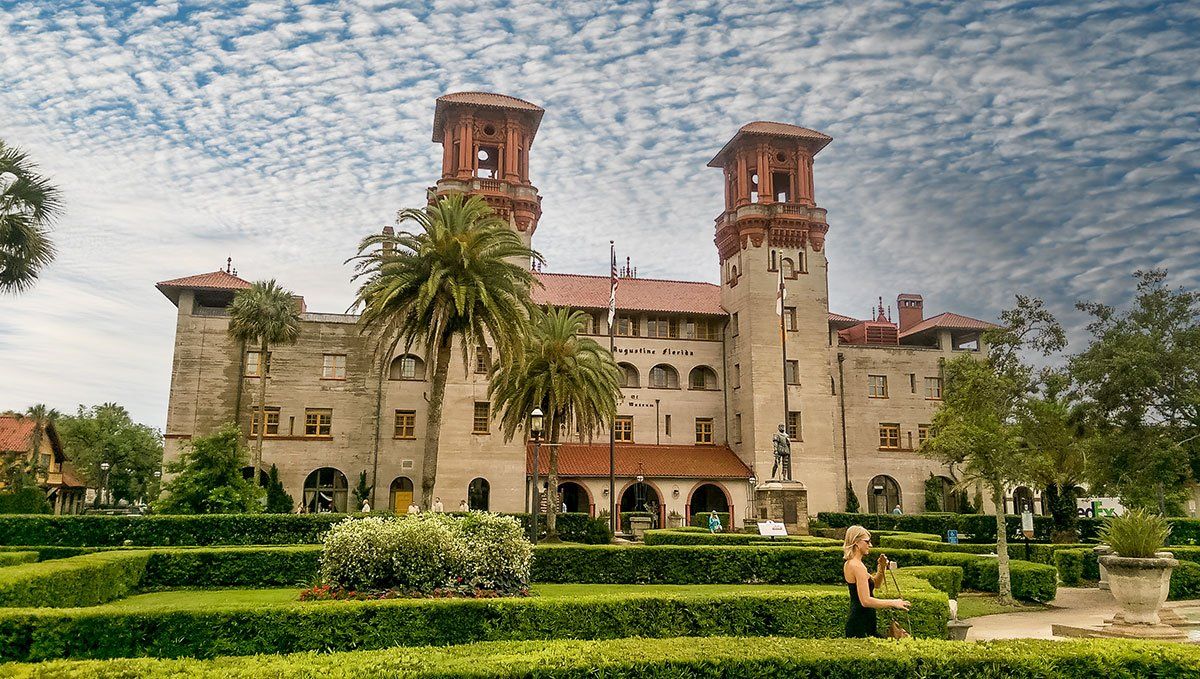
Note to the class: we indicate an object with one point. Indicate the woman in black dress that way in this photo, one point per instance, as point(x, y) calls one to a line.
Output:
point(863, 604)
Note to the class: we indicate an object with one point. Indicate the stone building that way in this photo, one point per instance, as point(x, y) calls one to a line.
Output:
point(706, 379)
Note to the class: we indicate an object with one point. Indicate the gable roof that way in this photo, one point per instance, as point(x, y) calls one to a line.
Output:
point(15, 433)
point(672, 461)
point(949, 321)
point(633, 294)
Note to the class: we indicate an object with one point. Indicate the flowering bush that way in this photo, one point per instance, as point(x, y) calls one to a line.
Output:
point(425, 553)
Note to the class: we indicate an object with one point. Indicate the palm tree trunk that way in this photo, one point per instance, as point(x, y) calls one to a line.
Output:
point(1001, 544)
point(433, 427)
point(263, 362)
point(552, 503)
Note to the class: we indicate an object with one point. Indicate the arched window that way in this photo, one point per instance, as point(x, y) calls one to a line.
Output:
point(478, 494)
point(640, 497)
point(707, 498)
point(407, 367)
point(629, 376)
point(702, 377)
point(400, 495)
point(1022, 500)
point(942, 489)
point(789, 268)
point(884, 494)
point(325, 491)
point(574, 496)
point(263, 477)
point(663, 376)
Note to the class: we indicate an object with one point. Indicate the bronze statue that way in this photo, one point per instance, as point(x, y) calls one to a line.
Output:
point(783, 455)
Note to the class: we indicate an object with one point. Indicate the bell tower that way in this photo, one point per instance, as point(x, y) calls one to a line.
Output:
point(485, 140)
point(772, 230)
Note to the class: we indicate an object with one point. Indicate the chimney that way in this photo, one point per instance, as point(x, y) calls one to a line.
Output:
point(912, 310)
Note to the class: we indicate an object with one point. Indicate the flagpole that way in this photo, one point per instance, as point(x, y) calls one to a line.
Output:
point(614, 523)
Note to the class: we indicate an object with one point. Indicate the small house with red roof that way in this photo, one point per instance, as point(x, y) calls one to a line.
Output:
point(64, 488)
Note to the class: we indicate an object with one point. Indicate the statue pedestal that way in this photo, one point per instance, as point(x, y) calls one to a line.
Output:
point(785, 502)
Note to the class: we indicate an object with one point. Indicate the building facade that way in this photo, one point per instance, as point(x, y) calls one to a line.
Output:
point(710, 371)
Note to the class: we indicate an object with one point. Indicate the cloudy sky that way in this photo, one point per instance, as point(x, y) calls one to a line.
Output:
point(980, 149)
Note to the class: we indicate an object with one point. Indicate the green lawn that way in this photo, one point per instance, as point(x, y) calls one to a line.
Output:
point(268, 597)
point(975, 604)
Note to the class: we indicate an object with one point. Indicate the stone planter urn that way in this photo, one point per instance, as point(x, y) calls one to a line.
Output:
point(1140, 585)
point(1102, 550)
point(638, 525)
point(675, 521)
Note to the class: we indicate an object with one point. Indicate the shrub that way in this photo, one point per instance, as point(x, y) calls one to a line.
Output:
point(80, 581)
point(498, 556)
point(679, 536)
point(1069, 563)
point(700, 520)
point(278, 500)
point(105, 632)
point(30, 500)
point(230, 567)
point(208, 477)
point(976, 527)
point(1185, 581)
point(1136, 534)
point(946, 579)
point(14, 558)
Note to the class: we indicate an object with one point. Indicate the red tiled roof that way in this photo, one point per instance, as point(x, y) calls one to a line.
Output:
point(633, 294)
point(486, 99)
point(15, 433)
point(685, 462)
point(949, 321)
point(775, 130)
point(841, 322)
point(70, 477)
point(217, 280)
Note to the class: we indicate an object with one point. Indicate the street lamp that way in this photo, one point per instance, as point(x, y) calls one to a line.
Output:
point(104, 467)
point(535, 428)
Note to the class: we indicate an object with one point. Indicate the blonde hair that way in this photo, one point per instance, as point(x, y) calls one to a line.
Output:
point(853, 535)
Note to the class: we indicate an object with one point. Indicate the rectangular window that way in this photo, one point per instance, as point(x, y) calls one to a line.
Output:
point(774, 261)
point(792, 372)
point(334, 367)
point(737, 375)
point(623, 428)
point(318, 422)
point(795, 431)
point(704, 430)
point(483, 359)
point(789, 318)
point(933, 388)
point(803, 257)
point(912, 382)
point(734, 325)
point(667, 424)
point(922, 433)
point(889, 436)
point(661, 327)
point(877, 386)
point(406, 424)
point(255, 366)
point(627, 326)
point(479, 424)
point(737, 428)
point(272, 421)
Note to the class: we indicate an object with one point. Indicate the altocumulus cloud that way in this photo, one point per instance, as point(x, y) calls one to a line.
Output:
point(980, 148)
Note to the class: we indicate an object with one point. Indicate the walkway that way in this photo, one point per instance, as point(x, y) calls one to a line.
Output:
point(1076, 606)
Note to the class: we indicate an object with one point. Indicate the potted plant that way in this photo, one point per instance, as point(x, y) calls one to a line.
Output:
point(674, 519)
point(1139, 575)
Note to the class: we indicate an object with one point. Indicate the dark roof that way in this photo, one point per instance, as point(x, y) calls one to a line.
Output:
point(671, 461)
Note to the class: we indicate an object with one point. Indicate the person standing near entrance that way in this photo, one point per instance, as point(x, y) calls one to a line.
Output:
point(862, 621)
point(437, 505)
point(714, 522)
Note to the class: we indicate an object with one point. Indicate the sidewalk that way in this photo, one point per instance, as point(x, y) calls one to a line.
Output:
point(1071, 606)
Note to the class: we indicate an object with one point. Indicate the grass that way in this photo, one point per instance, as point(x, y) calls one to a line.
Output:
point(976, 604)
point(203, 598)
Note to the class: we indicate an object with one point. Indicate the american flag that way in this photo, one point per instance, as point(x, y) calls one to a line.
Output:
point(612, 295)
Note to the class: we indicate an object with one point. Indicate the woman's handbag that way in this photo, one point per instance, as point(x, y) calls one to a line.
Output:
point(895, 631)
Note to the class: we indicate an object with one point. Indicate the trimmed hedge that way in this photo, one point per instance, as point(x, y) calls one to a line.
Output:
point(47, 552)
point(978, 527)
point(700, 520)
point(104, 632)
point(679, 536)
point(1185, 581)
point(80, 581)
point(222, 529)
point(15, 558)
point(946, 579)
point(671, 658)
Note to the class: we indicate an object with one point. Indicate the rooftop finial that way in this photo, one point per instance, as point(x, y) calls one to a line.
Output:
point(228, 264)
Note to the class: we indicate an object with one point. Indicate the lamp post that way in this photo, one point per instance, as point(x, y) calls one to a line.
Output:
point(157, 484)
point(104, 467)
point(535, 427)
point(750, 513)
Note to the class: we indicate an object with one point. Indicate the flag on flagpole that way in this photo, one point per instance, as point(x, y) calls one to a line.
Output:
point(612, 295)
point(781, 295)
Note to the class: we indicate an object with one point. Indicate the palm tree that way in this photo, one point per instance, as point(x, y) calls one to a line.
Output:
point(571, 378)
point(462, 273)
point(29, 203)
point(263, 314)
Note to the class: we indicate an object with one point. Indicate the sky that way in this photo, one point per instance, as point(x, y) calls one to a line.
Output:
point(981, 149)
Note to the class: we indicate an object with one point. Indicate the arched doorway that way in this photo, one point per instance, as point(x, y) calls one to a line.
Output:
point(707, 498)
point(575, 497)
point(400, 494)
point(1022, 499)
point(325, 491)
point(946, 497)
point(263, 477)
point(883, 494)
point(642, 497)
point(478, 494)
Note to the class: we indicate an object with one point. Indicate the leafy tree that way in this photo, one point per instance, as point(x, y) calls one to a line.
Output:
point(852, 505)
point(1140, 380)
point(1053, 434)
point(278, 501)
point(262, 315)
point(976, 427)
point(933, 494)
point(362, 491)
point(209, 477)
point(29, 204)
point(461, 275)
point(572, 379)
point(107, 433)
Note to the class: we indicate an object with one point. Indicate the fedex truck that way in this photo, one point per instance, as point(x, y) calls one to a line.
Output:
point(1099, 507)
